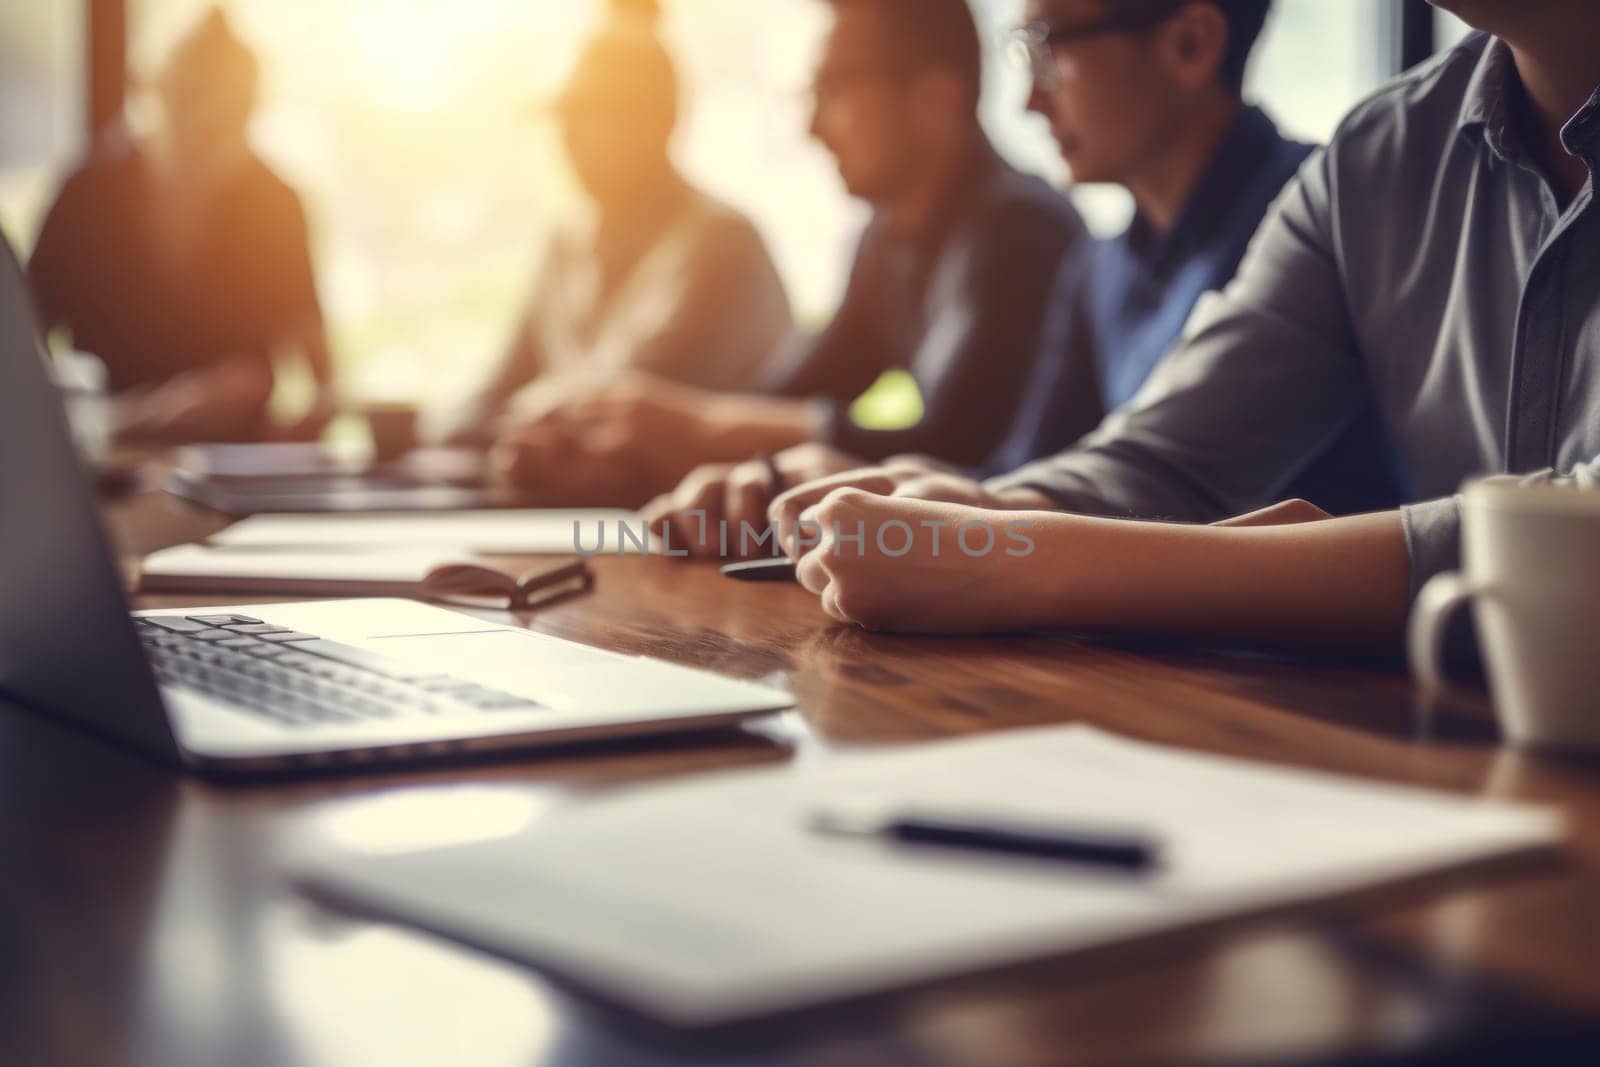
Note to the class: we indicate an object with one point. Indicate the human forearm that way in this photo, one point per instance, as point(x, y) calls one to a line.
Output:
point(1343, 580)
point(312, 339)
point(735, 428)
point(519, 363)
point(224, 402)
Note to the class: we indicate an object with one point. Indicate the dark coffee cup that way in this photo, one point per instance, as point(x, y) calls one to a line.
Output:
point(394, 430)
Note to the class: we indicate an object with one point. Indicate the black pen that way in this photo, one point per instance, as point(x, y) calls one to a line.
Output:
point(1122, 851)
point(762, 570)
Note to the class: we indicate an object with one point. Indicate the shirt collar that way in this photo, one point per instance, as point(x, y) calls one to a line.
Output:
point(1486, 105)
point(1486, 108)
point(1245, 148)
point(1581, 134)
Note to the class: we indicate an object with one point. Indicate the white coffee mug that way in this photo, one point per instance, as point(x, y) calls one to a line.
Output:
point(1531, 571)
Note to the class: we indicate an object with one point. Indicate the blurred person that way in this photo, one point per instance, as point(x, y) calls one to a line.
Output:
point(182, 261)
point(1150, 99)
point(1202, 168)
point(662, 279)
point(1441, 259)
point(951, 283)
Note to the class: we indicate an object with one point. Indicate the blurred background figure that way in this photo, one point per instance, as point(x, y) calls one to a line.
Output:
point(661, 277)
point(950, 286)
point(182, 261)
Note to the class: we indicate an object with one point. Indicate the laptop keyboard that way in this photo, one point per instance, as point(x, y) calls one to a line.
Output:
point(299, 679)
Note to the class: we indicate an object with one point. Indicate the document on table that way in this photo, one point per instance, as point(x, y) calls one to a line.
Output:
point(510, 532)
point(714, 901)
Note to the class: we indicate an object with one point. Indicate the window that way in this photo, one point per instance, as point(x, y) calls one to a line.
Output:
point(1449, 30)
point(1316, 60)
point(42, 92)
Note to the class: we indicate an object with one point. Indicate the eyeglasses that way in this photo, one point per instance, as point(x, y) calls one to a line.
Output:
point(1033, 47)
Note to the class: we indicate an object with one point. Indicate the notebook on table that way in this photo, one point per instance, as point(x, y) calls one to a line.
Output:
point(511, 532)
point(453, 578)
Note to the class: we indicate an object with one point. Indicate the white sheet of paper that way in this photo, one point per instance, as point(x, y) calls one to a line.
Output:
point(381, 565)
point(712, 901)
point(494, 532)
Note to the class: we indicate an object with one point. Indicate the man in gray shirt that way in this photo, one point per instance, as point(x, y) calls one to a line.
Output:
point(1441, 257)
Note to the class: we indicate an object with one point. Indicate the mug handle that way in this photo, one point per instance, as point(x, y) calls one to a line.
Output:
point(1439, 599)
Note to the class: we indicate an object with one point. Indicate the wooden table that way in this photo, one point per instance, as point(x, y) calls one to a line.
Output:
point(146, 920)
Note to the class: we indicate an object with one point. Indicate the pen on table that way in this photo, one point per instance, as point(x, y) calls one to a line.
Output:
point(762, 570)
point(1119, 850)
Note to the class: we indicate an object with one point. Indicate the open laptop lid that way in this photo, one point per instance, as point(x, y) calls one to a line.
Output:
point(67, 645)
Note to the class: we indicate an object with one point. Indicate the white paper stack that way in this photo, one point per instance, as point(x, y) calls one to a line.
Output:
point(715, 901)
point(509, 532)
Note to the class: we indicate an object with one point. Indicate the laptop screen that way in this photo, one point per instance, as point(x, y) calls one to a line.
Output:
point(67, 646)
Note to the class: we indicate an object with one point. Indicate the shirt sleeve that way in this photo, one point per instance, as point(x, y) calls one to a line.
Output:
point(1433, 538)
point(1063, 400)
point(839, 363)
point(730, 312)
point(978, 352)
point(1265, 377)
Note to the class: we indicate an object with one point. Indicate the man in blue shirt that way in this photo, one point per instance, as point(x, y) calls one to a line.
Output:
point(1120, 307)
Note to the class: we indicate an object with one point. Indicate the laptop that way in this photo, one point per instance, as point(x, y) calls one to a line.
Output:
point(299, 479)
point(260, 689)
